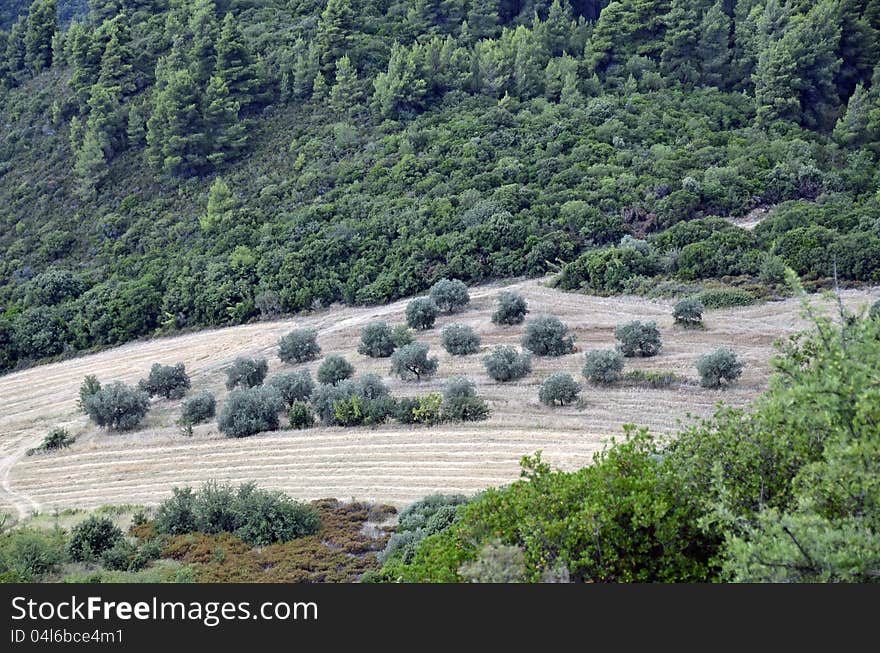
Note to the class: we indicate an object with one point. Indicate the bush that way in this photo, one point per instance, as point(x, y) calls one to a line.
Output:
point(257, 516)
point(450, 295)
point(874, 313)
point(58, 438)
point(246, 372)
point(198, 408)
point(420, 410)
point(773, 270)
point(301, 416)
point(120, 556)
point(401, 336)
point(460, 340)
point(377, 340)
point(292, 386)
point(637, 339)
point(603, 366)
point(512, 309)
point(459, 387)
point(559, 388)
point(719, 368)
point(688, 312)
point(169, 381)
point(497, 563)
point(299, 346)
point(505, 363)
point(26, 554)
point(548, 336)
point(118, 407)
point(465, 409)
point(325, 397)
point(250, 411)
point(725, 298)
point(371, 386)
point(90, 386)
point(412, 363)
point(91, 537)
point(421, 313)
point(652, 378)
point(334, 369)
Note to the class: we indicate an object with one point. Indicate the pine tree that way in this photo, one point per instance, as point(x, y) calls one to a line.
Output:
point(345, 93)
point(175, 140)
point(136, 127)
point(117, 63)
point(334, 33)
point(42, 23)
point(16, 53)
point(713, 48)
point(106, 120)
point(529, 63)
point(320, 90)
point(401, 87)
point(235, 65)
point(482, 19)
point(84, 54)
point(556, 31)
point(859, 47)
point(680, 44)
point(306, 68)
point(203, 31)
point(90, 166)
point(226, 136)
point(221, 206)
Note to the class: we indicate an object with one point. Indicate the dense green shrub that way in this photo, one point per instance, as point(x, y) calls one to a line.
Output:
point(326, 396)
point(688, 312)
point(512, 309)
point(353, 402)
point(607, 270)
point(334, 369)
point(652, 378)
point(249, 411)
point(27, 554)
point(292, 386)
point(57, 438)
point(420, 410)
point(120, 556)
point(637, 339)
point(719, 368)
point(301, 416)
point(377, 340)
point(299, 346)
point(429, 516)
point(496, 563)
point(411, 363)
point(460, 340)
point(874, 312)
point(198, 408)
point(457, 387)
point(465, 409)
point(169, 381)
point(546, 335)
point(421, 313)
point(401, 336)
point(505, 363)
point(257, 516)
point(118, 407)
point(450, 295)
point(603, 366)
point(91, 537)
point(89, 386)
point(371, 386)
point(716, 298)
point(246, 372)
point(559, 389)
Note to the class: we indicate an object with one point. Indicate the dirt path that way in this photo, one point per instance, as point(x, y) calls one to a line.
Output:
point(394, 463)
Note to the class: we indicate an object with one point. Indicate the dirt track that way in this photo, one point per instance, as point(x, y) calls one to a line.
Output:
point(395, 463)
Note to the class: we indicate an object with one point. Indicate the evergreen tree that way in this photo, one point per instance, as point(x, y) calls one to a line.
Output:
point(42, 23)
point(175, 140)
point(90, 166)
point(225, 135)
point(482, 19)
point(335, 29)
point(221, 206)
point(235, 65)
point(859, 48)
point(713, 49)
point(306, 68)
point(203, 34)
point(529, 63)
point(345, 93)
point(84, 54)
point(16, 53)
point(860, 125)
point(680, 44)
point(117, 63)
point(136, 128)
point(106, 120)
point(556, 30)
point(400, 88)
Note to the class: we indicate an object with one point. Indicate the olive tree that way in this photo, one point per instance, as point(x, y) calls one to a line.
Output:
point(246, 372)
point(421, 313)
point(637, 339)
point(169, 381)
point(559, 389)
point(250, 411)
point(377, 340)
point(505, 363)
point(334, 369)
point(412, 363)
point(689, 312)
point(719, 368)
point(299, 346)
point(117, 406)
point(460, 340)
point(292, 386)
point(512, 309)
point(603, 366)
point(450, 295)
point(546, 335)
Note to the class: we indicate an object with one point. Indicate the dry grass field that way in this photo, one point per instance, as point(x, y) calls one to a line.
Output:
point(393, 464)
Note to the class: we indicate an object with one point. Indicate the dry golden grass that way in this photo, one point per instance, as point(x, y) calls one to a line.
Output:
point(394, 464)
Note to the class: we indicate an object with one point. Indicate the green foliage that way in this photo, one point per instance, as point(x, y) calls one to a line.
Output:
point(505, 364)
point(401, 336)
point(421, 313)
point(429, 516)
point(559, 389)
point(246, 372)
point(334, 369)
point(259, 517)
point(496, 563)
point(411, 362)
point(299, 346)
point(301, 416)
point(874, 312)
point(546, 335)
point(460, 340)
point(117, 407)
point(719, 368)
point(450, 296)
point(169, 381)
point(716, 298)
point(90, 538)
point(198, 408)
point(637, 339)
point(688, 312)
point(89, 386)
point(607, 270)
point(603, 366)
point(57, 438)
point(465, 409)
point(292, 387)
point(27, 555)
point(377, 340)
point(250, 411)
point(512, 309)
point(420, 410)
point(651, 378)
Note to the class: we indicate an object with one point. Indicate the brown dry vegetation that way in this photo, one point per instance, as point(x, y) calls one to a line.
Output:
point(393, 464)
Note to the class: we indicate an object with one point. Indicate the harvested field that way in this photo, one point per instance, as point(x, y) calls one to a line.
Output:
point(392, 464)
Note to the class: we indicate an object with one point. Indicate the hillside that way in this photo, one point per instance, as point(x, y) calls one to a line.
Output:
point(392, 463)
point(167, 165)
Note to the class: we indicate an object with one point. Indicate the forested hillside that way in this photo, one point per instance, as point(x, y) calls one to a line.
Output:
point(168, 164)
